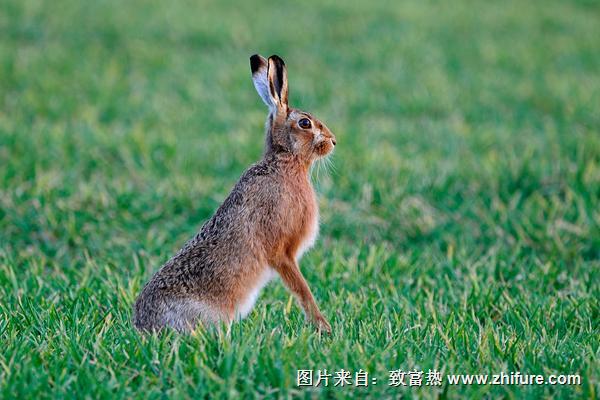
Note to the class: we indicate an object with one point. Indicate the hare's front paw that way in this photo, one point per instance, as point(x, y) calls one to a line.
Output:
point(321, 323)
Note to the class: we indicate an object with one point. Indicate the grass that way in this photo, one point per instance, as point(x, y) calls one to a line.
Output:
point(460, 223)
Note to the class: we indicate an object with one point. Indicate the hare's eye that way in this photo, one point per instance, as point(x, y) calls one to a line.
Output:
point(304, 123)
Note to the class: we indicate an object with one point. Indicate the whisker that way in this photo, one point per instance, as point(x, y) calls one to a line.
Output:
point(318, 171)
point(330, 166)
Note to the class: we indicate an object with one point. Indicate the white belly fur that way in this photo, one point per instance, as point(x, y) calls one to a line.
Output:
point(245, 306)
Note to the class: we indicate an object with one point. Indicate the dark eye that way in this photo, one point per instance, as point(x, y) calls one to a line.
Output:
point(304, 123)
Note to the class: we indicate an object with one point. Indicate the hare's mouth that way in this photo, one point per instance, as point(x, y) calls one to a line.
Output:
point(324, 148)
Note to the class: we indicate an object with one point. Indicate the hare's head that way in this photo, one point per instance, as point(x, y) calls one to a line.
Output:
point(288, 130)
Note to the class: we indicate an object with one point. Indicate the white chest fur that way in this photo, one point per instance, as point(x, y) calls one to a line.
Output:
point(246, 305)
point(311, 237)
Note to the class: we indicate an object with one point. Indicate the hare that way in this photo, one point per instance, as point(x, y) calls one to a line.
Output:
point(262, 228)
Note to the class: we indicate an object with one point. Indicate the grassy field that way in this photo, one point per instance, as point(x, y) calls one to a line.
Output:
point(460, 221)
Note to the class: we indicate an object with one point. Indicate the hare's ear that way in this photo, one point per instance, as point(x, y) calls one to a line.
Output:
point(278, 82)
point(259, 66)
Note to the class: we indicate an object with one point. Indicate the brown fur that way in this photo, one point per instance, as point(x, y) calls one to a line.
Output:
point(261, 227)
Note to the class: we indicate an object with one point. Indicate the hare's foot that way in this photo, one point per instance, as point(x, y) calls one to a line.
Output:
point(321, 323)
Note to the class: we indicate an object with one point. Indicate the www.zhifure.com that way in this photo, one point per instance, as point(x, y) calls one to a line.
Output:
point(417, 378)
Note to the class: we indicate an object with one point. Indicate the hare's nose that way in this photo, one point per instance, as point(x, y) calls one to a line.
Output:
point(333, 141)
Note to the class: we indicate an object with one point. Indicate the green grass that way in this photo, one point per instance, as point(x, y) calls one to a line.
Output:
point(460, 226)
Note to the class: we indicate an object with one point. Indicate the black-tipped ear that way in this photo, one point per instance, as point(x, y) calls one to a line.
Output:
point(278, 83)
point(259, 66)
point(256, 62)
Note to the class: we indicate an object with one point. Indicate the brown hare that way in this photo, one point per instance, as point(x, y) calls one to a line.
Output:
point(262, 228)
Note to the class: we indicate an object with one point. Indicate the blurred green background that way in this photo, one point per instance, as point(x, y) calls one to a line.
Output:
point(460, 220)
